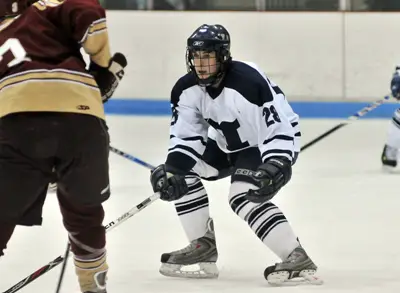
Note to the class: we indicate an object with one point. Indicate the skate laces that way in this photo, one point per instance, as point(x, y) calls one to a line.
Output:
point(194, 244)
point(188, 248)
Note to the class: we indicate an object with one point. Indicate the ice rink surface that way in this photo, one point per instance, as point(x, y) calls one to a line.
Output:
point(345, 211)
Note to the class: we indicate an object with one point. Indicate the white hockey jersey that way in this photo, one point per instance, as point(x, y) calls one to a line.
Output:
point(246, 110)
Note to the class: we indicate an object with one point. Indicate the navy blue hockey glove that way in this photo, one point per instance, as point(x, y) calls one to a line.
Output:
point(108, 78)
point(270, 177)
point(395, 84)
point(170, 186)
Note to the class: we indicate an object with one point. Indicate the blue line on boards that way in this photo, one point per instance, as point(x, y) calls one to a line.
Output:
point(306, 109)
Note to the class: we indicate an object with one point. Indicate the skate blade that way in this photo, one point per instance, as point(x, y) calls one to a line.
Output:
point(305, 277)
point(204, 270)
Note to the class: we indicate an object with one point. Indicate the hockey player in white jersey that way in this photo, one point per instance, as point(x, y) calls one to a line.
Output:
point(229, 119)
point(390, 150)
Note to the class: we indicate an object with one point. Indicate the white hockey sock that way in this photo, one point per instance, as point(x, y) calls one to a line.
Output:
point(193, 210)
point(393, 135)
point(266, 220)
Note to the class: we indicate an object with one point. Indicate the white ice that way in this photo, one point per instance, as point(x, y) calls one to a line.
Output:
point(344, 209)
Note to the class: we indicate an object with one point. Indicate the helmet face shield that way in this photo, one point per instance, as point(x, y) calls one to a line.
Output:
point(207, 54)
point(205, 64)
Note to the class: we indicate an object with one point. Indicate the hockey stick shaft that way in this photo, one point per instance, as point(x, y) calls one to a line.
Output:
point(61, 277)
point(354, 117)
point(60, 259)
point(130, 157)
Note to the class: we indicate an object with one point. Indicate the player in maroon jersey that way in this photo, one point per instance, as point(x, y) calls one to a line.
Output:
point(52, 118)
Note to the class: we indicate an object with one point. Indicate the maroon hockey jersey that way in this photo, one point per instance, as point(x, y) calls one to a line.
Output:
point(41, 65)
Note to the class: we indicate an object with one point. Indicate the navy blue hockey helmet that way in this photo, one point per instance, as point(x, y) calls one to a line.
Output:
point(209, 38)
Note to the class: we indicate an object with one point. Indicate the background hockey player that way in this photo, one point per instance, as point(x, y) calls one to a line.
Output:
point(253, 137)
point(392, 146)
point(52, 118)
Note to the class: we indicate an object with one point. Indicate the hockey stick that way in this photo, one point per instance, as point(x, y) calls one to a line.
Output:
point(60, 259)
point(61, 277)
point(351, 118)
point(130, 157)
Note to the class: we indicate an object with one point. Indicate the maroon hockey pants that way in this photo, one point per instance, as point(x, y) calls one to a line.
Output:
point(71, 149)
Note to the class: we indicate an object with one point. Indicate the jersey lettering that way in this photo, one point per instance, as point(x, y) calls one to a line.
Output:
point(15, 47)
point(229, 129)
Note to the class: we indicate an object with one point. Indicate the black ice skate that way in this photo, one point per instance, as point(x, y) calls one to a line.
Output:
point(297, 269)
point(389, 158)
point(197, 260)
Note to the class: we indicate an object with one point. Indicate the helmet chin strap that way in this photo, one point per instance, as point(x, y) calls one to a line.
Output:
point(209, 81)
